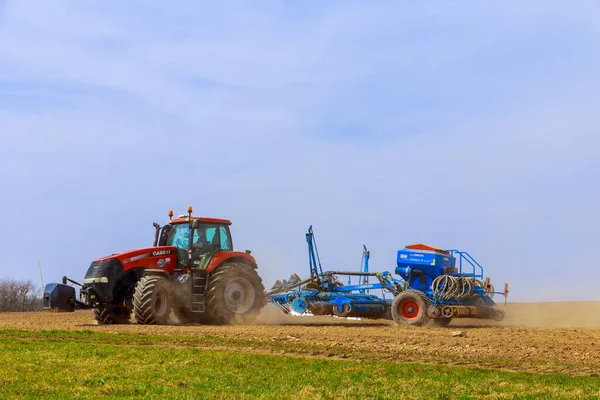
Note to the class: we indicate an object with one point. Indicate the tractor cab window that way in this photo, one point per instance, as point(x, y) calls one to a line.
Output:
point(225, 240)
point(179, 236)
point(205, 238)
point(212, 237)
point(209, 233)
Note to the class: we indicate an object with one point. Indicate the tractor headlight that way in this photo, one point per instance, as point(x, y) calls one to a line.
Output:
point(103, 279)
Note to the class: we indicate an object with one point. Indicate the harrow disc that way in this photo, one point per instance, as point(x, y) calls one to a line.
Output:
point(433, 312)
point(498, 315)
point(300, 305)
point(447, 311)
point(343, 312)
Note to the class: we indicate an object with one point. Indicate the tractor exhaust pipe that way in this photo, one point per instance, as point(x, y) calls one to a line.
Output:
point(156, 233)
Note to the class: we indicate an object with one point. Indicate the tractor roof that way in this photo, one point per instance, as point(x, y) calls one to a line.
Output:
point(202, 219)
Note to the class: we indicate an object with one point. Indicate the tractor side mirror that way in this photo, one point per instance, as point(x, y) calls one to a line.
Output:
point(195, 224)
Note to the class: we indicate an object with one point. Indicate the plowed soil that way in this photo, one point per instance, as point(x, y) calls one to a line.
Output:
point(544, 337)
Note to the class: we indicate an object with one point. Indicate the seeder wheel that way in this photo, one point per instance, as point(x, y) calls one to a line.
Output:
point(410, 308)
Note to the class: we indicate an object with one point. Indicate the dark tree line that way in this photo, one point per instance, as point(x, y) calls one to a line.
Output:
point(19, 296)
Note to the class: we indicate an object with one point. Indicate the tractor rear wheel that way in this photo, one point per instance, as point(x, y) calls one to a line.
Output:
point(108, 315)
point(410, 308)
point(152, 301)
point(234, 291)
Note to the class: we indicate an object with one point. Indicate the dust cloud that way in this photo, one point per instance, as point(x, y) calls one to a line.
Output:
point(553, 315)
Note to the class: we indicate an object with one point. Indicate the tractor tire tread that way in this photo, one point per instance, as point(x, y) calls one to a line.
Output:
point(103, 316)
point(216, 309)
point(142, 300)
point(106, 315)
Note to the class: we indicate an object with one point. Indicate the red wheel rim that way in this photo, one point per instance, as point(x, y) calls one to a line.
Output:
point(409, 309)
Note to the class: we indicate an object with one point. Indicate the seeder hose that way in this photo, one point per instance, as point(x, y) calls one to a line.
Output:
point(446, 287)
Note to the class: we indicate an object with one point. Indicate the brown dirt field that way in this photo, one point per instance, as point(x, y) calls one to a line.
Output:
point(542, 337)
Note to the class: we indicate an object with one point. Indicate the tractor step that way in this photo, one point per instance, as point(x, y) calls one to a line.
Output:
point(198, 294)
point(198, 303)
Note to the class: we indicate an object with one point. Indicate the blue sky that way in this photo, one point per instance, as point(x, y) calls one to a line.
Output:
point(470, 125)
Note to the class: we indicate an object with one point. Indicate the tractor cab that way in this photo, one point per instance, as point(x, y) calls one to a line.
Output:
point(200, 238)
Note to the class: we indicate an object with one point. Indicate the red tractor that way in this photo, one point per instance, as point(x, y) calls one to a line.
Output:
point(191, 271)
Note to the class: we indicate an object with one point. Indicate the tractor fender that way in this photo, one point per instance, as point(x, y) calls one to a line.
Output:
point(231, 256)
point(157, 272)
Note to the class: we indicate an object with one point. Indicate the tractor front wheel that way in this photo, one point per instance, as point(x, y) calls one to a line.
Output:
point(152, 301)
point(108, 315)
point(410, 308)
point(234, 290)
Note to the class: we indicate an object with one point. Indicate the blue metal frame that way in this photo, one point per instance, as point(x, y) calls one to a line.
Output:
point(471, 261)
point(329, 291)
point(315, 267)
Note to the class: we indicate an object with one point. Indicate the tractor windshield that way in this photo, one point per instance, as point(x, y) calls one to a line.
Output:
point(179, 236)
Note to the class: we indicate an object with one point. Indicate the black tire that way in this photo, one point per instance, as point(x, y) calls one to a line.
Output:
point(410, 308)
point(152, 301)
point(234, 292)
point(442, 321)
point(108, 315)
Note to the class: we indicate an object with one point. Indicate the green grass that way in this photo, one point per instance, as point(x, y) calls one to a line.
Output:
point(60, 364)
